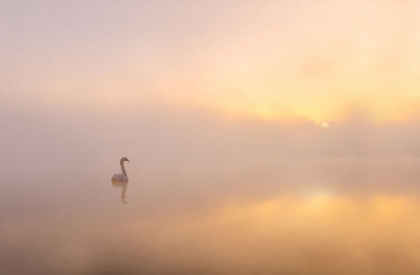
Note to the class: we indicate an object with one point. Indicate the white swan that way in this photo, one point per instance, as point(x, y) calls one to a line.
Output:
point(121, 177)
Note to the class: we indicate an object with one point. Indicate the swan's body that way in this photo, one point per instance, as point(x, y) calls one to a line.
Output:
point(121, 177)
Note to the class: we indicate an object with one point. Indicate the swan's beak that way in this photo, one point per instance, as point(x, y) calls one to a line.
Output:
point(128, 160)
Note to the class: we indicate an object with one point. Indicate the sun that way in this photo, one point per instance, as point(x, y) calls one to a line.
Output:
point(325, 126)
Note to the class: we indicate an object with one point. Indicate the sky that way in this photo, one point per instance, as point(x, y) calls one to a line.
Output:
point(219, 106)
point(283, 61)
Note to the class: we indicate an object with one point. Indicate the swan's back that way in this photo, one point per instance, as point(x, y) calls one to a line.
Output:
point(119, 177)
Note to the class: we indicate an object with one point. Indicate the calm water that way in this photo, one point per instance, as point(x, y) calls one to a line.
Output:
point(297, 217)
point(219, 106)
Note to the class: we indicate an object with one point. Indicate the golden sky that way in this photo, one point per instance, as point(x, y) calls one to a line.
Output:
point(285, 61)
point(83, 83)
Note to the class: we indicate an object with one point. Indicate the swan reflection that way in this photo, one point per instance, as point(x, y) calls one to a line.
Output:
point(123, 185)
point(121, 180)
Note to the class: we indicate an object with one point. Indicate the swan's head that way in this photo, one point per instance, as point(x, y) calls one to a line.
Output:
point(124, 159)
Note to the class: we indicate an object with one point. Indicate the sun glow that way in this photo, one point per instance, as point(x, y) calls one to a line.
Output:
point(265, 70)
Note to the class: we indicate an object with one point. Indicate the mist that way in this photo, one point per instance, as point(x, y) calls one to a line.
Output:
point(189, 170)
point(219, 107)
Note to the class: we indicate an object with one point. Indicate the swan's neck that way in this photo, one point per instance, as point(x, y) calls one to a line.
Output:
point(123, 168)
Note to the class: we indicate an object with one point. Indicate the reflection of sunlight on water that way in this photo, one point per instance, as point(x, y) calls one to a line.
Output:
point(318, 234)
point(359, 219)
point(318, 199)
point(357, 233)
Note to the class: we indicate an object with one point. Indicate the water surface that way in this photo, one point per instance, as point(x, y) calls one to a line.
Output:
point(297, 217)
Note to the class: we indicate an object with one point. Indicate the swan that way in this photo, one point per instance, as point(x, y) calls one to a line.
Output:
point(121, 177)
